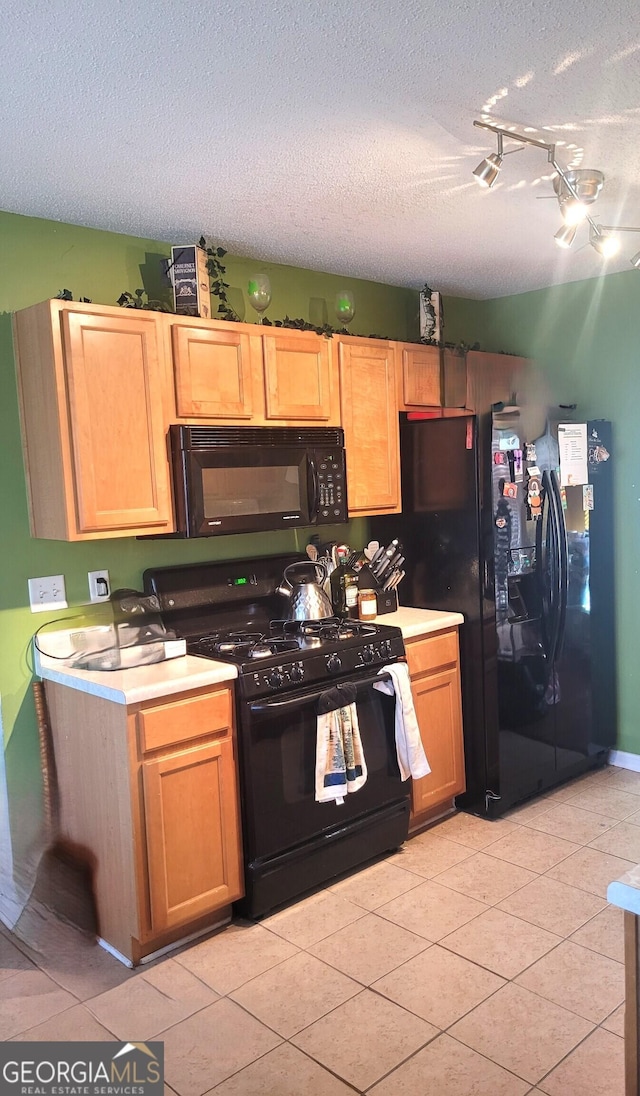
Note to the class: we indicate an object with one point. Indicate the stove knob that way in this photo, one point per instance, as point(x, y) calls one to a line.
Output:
point(334, 663)
point(274, 679)
point(367, 655)
point(297, 673)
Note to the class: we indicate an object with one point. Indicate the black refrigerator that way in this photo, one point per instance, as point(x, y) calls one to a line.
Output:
point(492, 527)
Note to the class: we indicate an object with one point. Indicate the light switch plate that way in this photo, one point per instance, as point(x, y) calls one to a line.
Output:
point(47, 594)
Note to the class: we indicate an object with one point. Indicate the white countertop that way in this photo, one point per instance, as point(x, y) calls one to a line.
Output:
point(419, 622)
point(178, 675)
point(140, 683)
point(625, 891)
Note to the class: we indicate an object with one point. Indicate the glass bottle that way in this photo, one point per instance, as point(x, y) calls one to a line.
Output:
point(344, 587)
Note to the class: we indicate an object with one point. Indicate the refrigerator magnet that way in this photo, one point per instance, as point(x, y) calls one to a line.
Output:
point(534, 496)
point(530, 451)
point(517, 466)
point(510, 490)
point(587, 496)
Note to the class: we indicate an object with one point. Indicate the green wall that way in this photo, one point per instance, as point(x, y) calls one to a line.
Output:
point(586, 336)
point(38, 259)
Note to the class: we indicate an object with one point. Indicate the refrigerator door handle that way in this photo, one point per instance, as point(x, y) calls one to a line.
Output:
point(563, 562)
point(547, 570)
point(556, 569)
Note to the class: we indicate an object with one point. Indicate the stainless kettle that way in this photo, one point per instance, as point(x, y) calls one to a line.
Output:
point(308, 599)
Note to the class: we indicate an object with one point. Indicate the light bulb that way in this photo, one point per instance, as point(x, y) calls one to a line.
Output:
point(605, 245)
point(573, 212)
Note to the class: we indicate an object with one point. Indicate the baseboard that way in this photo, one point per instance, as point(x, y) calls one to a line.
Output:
point(625, 760)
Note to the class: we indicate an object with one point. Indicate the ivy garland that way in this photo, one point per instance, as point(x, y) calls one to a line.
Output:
point(216, 271)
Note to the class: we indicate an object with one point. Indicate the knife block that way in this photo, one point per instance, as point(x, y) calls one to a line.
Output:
point(387, 600)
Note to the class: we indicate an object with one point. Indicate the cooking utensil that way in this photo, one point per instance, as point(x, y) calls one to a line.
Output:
point(308, 600)
point(312, 552)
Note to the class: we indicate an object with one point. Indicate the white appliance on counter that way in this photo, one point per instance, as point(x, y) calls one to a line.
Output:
point(136, 636)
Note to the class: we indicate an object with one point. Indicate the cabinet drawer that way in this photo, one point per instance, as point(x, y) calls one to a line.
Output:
point(427, 654)
point(178, 721)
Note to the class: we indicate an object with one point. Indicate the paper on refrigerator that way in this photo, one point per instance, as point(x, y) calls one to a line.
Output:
point(572, 444)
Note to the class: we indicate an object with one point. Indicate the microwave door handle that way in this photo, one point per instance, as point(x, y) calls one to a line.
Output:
point(293, 702)
point(312, 476)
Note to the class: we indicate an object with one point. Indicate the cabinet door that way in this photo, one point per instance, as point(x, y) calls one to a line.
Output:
point(193, 834)
point(118, 451)
point(297, 376)
point(438, 708)
point(212, 370)
point(421, 374)
point(493, 378)
point(370, 422)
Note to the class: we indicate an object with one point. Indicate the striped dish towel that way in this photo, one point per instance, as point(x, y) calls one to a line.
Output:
point(340, 764)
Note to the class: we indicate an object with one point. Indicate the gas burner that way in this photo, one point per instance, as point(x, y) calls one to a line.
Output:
point(234, 641)
point(350, 628)
point(268, 647)
point(334, 630)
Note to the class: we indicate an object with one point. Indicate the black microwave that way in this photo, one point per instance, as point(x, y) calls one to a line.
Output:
point(254, 479)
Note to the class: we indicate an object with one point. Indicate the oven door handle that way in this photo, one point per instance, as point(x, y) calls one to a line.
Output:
point(299, 701)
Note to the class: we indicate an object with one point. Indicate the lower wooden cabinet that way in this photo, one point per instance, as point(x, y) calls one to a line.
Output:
point(191, 829)
point(435, 683)
point(149, 799)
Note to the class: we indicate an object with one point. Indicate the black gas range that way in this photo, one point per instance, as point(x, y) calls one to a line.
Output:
point(232, 612)
point(291, 653)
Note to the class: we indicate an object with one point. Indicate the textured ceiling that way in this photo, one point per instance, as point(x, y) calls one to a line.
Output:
point(327, 135)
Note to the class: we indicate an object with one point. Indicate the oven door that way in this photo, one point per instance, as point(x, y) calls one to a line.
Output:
point(247, 489)
point(278, 759)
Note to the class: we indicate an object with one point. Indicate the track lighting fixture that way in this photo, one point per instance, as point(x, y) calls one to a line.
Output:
point(612, 244)
point(487, 170)
point(603, 243)
point(565, 236)
point(576, 190)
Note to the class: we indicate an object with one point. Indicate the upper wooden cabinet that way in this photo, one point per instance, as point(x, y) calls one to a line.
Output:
point(493, 378)
point(90, 388)
point(298, 377)
point(368, 400)
point(419, 376)
point(248, 373)
point(212, 370)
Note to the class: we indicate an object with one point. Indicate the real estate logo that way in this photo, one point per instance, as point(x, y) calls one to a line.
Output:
point(81, 1069)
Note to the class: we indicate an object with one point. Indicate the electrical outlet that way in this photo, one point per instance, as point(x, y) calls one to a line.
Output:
point(47, 593)
point(99, 586)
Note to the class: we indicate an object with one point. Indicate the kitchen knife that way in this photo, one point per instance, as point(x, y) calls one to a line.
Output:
point(376, 557)
point(388, 566)
point(383, 563)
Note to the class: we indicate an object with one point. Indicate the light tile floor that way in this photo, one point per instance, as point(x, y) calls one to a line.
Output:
point(480, 960)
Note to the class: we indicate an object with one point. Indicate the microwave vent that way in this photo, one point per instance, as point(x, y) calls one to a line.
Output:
point(204, 437)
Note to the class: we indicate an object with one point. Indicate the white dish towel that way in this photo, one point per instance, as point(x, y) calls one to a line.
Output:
point(412, 760)
point(340, 762)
